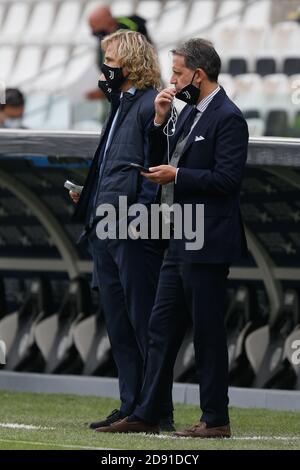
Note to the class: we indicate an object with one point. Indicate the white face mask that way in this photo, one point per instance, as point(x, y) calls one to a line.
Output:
point(13, 123)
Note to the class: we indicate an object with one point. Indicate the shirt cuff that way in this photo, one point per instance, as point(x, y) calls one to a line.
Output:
point(176, 175)
point(156, 124)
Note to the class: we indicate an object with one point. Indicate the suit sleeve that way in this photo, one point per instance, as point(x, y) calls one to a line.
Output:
point(157, 144)
point(230, 158)
point(148, 189)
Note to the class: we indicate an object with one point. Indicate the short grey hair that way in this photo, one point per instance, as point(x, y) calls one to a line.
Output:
point(200, 54)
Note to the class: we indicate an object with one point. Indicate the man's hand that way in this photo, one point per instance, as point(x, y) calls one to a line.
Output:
point(161, 174)
point(96, 94)
point(163, 103)
point(74, 196)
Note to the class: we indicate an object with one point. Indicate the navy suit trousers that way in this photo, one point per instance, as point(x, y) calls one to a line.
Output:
point(127, 272)
point(196, 291)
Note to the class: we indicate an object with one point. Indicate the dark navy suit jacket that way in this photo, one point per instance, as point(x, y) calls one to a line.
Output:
point(210, 173)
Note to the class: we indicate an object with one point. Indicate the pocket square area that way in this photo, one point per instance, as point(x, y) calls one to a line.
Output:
point(199, 138)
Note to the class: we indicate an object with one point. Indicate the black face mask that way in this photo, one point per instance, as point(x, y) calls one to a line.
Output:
point(100, 34)
point(114, 76)
point(189, 94)
point(103, 85)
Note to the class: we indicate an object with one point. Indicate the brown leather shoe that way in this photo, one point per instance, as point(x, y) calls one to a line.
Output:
point(124, 426)
point(201, 431)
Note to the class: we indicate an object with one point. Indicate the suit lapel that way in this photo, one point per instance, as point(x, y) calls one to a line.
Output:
point(204, 121)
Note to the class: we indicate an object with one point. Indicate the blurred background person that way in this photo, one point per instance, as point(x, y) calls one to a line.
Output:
point(12, 112)
point(102, 22)
point(294, 15)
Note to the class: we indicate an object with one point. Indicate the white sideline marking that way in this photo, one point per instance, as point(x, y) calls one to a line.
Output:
point(27, 427)
point(266, 438)
point(234, 438)
point(54, 444)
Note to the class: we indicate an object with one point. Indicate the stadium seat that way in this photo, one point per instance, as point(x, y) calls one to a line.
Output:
point(258, 13)
point(58, 114)
point(230, 12)
point(92, 342)
point(228, 83)
point(253, 39)
point(265, 66)
point(251, 114)
point(87, 126)
point(228, 40)
point(22, 75)
point(66, 21)
point(3, 306)
point(237, 66)
point(45, 333)
point(36, 109)
point(165, 60)
point(292, 345)
point(149, 10)
point(7, 57)
point(171, 21)
point(265, 347)
point(77, 68)
point(8, 321)
point(88, 112)
point(294, 83)
point(40, 22)
point(291, 65)
point(276, 91)
point(248, 95)
point(63, 356)
point(241, 319)
point(82, 34)
point(52, 68)
point(8, 329)
point(200, 17)
point(15, 22)
point(256, 127)
point(2, 14)
point(285, 36)
point(295, 128)
point(24, 354)
point(256, 345)
point(123, 7)
point(277, 123)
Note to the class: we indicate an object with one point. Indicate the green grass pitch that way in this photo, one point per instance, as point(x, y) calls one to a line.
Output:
point(62, 424)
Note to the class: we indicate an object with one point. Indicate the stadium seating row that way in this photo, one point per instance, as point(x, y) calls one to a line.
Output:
point(74, 339)
point(38, 34)
point(271, 106)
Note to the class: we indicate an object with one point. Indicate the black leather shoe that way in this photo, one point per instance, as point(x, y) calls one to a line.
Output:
point(167, 424)
point(114, 416)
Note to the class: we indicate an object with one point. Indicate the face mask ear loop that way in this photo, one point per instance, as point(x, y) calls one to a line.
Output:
point(193, 77)
point(170, 132)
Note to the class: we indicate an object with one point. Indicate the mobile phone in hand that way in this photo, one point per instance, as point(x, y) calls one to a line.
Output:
point(139, 167)
point(76, 188)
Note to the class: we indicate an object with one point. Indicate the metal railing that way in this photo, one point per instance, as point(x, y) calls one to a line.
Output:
point(262, 150)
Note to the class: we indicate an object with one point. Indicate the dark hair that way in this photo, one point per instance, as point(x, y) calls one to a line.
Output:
point(200, 54)
point(13, 97)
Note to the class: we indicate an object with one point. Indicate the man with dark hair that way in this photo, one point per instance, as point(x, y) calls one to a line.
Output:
point(11, 113)
point(207, 156)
